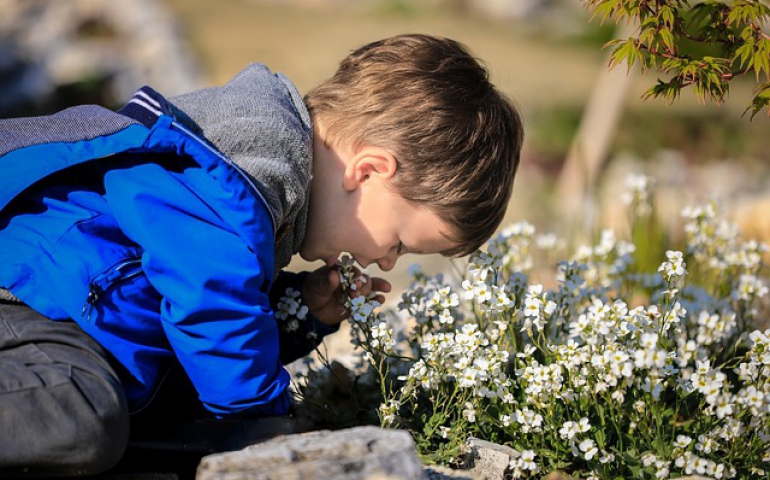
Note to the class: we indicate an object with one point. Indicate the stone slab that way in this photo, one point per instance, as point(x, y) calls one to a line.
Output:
point(358, 453)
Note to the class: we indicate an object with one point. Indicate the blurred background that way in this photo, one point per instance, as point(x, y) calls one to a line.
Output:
point(545, 54)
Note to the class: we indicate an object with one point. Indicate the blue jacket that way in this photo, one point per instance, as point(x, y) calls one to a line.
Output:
point(157, 244)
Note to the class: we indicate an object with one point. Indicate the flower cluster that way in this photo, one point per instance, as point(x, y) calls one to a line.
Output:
point(466, 357)
point(368, 326)
point(717, 243)
point(431, 302)
point(673, 267)
point(587, 376)
point(638, 194)
point(290, 311)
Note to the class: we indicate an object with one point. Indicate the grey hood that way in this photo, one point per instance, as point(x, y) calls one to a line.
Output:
point(259, 120)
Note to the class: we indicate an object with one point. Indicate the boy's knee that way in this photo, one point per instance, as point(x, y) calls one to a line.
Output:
point(74, 433)
point(101, 437)
point(93, 436)
point(102, 449)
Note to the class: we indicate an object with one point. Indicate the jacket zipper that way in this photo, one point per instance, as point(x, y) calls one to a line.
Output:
point(118, 273)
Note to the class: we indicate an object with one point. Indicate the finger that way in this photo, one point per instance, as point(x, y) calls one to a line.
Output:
point(318, 282)
point(363, 284)
point(380, 285)
point(356, 289)
point(333, 280)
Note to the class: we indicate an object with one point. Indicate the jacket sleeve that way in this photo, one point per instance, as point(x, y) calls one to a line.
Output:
point(215, 307)
point(297, 338)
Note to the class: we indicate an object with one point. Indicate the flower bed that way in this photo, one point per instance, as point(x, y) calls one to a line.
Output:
point(612, 372)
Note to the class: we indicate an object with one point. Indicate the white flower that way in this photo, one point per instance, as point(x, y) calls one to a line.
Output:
point(637, 192)
point(749, 286)
point(468, 290)
point(290, 305)
point(682, 441)
point(532, 306)
point(606, 457)
point(528, 461)
point(662, 471)
point(588, 447)
point(724, 406)
point(568, 430)
point(648, 459)
point(674, 267)
point(583, 425)
point(482, 292)
point(469, 412)
point(547, 241)
point(649, 341)
point(705, 444)
point(698, 464)
point(529, 420)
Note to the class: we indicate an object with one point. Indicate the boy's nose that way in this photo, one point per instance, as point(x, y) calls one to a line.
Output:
point(386, 264)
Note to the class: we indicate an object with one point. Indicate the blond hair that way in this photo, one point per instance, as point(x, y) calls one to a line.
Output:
point(428, 101)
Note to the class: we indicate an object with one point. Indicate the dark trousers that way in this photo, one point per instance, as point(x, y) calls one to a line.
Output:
point(62, 407)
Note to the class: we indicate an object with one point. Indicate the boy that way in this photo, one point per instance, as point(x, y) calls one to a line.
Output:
point(137, 241)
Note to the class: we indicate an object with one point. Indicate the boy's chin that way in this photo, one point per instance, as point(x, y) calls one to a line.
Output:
point(328, 260)
point(307, 256)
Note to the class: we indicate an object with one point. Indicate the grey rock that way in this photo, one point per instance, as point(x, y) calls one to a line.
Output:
point(354, 454)
point(434, 472)
point(490, 460)
point(117, 45)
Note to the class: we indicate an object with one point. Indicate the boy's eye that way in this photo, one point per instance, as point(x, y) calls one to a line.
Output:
point(399, 248)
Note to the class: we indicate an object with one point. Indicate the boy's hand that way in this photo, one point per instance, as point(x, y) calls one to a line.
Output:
point(323, 294)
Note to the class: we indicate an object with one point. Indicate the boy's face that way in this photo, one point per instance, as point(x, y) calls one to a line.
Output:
point(366, 217)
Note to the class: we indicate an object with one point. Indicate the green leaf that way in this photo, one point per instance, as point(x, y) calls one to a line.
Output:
point(606, 9)
point(600, 438)
point(668, 15)
point(762, 57)
point(763, 12)
point(631, 10)
point(748, 34)
point(761, 100)
point(671, 64)
point(647, 35)
point(744, 55)
point(612, 43)
point(702, 13)
point(735, 16)
point(668, 39)
point(626, 51)
point(668, 90)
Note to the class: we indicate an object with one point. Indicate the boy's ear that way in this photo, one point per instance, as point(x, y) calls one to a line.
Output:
point(369, 163)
